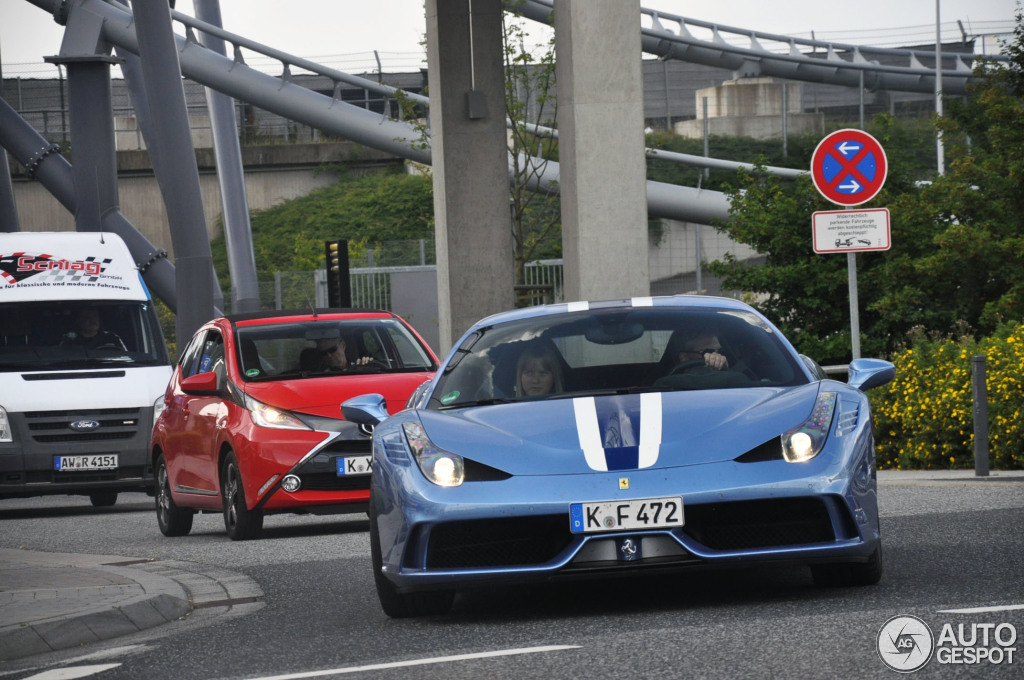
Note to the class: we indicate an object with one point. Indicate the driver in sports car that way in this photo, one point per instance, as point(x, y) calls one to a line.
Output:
point(702, 350)
point(700, 363)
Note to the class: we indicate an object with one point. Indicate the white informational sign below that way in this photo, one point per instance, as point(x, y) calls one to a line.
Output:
point(851, 231)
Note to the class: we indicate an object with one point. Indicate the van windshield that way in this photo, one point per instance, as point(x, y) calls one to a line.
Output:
point(42, 336)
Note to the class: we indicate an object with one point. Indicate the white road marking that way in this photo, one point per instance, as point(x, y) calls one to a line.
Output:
point(419, 662)
point(982, 610)
point(73, 672)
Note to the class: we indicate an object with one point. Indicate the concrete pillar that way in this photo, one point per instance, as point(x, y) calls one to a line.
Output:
point(601, 149)
point(470, 163)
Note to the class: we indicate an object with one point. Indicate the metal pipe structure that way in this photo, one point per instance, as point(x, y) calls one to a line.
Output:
point(231, 177)
point(827, 62)
point(180, 184)
point(92, 134)
point(44, 162)
point(8, 210)
point(278, 95)
point(823, 64)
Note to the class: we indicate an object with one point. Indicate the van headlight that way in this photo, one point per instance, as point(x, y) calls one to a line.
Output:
point(441, 467)
point(158, 407)
point(805, 442)
point(6, 433)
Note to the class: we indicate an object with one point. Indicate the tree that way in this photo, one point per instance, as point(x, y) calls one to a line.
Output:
point(529, 103)
point(957, 253)
point(974, 267)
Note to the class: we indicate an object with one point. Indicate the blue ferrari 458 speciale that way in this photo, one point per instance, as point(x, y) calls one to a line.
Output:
point(593, 438)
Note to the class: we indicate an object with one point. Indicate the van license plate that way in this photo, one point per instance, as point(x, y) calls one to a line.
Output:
point(106, 461)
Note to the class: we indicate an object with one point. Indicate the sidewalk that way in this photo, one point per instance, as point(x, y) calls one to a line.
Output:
point(53, 601)
point(919, 477)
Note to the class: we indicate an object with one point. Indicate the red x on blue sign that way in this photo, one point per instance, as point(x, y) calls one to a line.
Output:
point(849, 167)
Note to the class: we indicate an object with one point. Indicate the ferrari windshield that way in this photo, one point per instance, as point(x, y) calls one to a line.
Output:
point(615, 351)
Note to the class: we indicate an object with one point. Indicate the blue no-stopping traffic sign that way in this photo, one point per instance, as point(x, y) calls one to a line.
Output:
point(849, 167)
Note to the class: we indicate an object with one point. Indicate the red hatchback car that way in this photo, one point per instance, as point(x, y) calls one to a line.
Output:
point(252, 419)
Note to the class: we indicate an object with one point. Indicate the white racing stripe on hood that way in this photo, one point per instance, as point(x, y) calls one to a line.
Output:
point(588, 429)
point(589, 433)
point(650, 428)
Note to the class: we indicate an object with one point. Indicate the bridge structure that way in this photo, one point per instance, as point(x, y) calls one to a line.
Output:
point(156, 47)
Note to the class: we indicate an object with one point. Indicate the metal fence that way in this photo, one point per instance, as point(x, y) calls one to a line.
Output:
point(371, 287)
point(677, 265)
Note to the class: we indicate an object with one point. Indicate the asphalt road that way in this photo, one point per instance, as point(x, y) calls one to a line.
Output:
point(949, 545)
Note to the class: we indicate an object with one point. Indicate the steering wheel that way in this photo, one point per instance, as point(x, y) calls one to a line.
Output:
point(374, 366)
point(686, 366)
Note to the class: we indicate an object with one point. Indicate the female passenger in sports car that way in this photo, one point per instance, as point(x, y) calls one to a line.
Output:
point(538, 372)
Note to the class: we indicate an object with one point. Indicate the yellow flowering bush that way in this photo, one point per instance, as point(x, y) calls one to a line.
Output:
point(924, 419)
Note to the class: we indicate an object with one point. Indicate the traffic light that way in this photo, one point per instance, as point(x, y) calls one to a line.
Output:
point(339, 291)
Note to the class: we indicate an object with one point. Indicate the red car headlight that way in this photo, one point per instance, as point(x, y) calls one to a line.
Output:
point(266, 415)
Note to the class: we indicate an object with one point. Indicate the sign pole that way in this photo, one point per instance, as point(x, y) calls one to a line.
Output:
point(851, 273)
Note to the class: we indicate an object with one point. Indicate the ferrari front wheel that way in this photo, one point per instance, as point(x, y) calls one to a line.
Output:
point(849, 574)
point(403, 605)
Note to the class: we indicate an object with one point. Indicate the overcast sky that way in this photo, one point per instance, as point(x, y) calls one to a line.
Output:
point(344, 33)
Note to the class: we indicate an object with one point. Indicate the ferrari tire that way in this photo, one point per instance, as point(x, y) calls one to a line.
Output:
point(241, 523)
point(172, 520)
point(102, 499)
point(403, 605)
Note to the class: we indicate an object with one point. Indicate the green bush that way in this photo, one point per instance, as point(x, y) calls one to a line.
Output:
point(924, 419)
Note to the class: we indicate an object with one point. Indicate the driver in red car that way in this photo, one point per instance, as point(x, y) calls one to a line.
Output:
point(331, 353)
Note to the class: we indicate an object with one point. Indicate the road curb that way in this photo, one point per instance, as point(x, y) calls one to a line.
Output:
point(56, 601)
point(150, 601)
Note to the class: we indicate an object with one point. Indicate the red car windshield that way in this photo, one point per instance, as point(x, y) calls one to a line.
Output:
point(297, 349)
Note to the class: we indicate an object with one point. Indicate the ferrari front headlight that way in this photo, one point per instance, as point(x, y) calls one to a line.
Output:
point(441, 467)
point(805, 442)
point(265, 415)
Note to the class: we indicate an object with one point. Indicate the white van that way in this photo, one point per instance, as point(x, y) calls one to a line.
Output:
point(83, 367)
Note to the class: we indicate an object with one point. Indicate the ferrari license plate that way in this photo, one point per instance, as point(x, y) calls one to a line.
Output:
point(355, 465)
point(106, 461)
point(646, 513)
